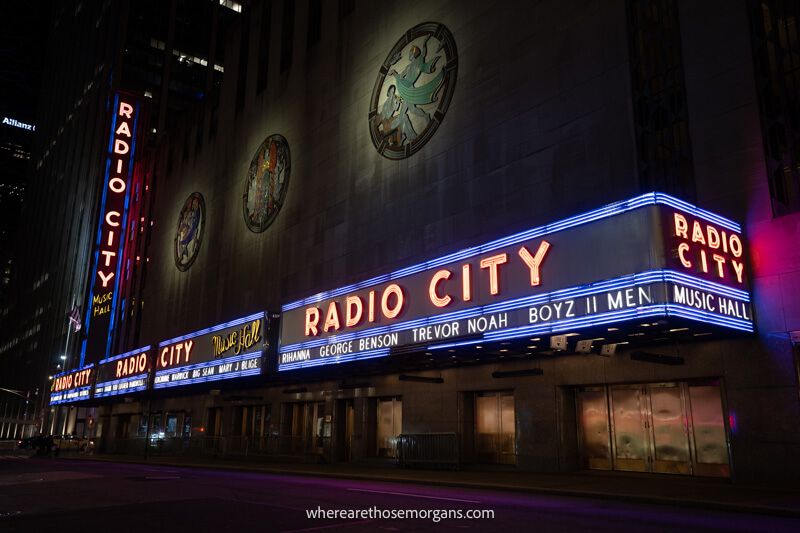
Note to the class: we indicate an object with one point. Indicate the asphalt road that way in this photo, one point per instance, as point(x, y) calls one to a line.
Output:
point(43, 494)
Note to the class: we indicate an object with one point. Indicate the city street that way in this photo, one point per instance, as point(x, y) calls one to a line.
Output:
point(39, 494)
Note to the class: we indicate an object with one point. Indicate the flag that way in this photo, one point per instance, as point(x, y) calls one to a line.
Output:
point(75, 318)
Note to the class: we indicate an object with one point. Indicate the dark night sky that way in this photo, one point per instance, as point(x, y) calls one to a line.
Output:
point(22, 47)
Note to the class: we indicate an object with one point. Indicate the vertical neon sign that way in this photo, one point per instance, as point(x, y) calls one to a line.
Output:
point(111, 230)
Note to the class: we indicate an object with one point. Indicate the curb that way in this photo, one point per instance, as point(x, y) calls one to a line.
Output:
point(579, 493)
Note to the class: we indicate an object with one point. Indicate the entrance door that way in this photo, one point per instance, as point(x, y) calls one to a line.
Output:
point(595, 439)
point(669, 429)
point(214, 426)
point(345, 424)
point(316, 427)
point(672, 428)
point(629, 429)
point(306, 426)
point(390, 425)
point(123, 423)
point(495, 434)
point(709, 441)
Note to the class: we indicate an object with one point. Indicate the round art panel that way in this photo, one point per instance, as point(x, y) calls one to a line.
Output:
point(266, 184)
point(189, 233)
point(413, 90)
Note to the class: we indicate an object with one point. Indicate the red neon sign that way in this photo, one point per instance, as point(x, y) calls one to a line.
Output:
point(442, 290)
point(705, 248)
point(72, 380)
point(112, 223)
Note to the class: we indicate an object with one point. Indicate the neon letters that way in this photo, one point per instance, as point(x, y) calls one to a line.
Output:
point(73, 380)
point(237, 341)
point(131, 366)
point(445, 287)
point(702, 247)
point(175, 354)
point(117, 185)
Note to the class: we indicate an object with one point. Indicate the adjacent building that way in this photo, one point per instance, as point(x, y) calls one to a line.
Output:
point(169, 57)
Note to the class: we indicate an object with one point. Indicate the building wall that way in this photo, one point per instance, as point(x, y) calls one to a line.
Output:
point(761, 377)
point(533, 125)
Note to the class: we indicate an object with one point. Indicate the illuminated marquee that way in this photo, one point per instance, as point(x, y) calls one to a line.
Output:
point(651, 256)
point(108, 248)
point(229, 350)
point(71, 386)
point(123, 374)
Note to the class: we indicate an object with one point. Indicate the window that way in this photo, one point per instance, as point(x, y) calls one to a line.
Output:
point(776, 53)
point(661, 117)
point(287, 35)
point(263, 46)
point(314, 22)
point(230, 4)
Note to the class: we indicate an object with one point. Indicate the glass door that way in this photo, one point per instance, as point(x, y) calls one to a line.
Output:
point(631, 445)
point(495, 427)
point(709, 433)
point(593, 431)
point(390, 425)
point(670, 429)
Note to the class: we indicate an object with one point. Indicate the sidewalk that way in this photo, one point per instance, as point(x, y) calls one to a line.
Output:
point(663, 489)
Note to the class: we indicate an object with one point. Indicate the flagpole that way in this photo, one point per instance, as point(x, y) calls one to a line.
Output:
point(66, 366)
point(67, 358)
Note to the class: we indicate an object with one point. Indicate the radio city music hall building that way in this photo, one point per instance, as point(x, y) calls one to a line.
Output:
point(454, 234)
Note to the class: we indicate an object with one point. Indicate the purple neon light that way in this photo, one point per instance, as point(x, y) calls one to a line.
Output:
point(213, 329)
point(358, 356)
point(631, 280)
point(98, 386)
point(137, 351)
point(63, 399)
point(617, 208)
point(65, 372)
point(87, 320)
point(197, 366)
point(124, 225)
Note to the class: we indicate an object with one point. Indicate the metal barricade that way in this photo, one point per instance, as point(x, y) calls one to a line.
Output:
point(432, 450)
point(205, 445)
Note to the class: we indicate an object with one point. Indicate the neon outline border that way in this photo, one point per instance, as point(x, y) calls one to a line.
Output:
point(609, 210)
point(667, 309)
point(87, 319)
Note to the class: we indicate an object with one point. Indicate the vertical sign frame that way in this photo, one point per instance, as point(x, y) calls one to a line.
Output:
point(109, 242)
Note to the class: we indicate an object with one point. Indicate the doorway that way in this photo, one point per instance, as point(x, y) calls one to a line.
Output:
point(252, 421)
point(669, 428)
point(389, 426)
point(214, 426)
point(495, 428)
point(305, 427)
point(345, 425)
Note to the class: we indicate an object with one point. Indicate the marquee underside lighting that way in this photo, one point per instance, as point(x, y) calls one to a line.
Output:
point(248, 364)
point(652, 256)
point(634, 280)
point(213, 329)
